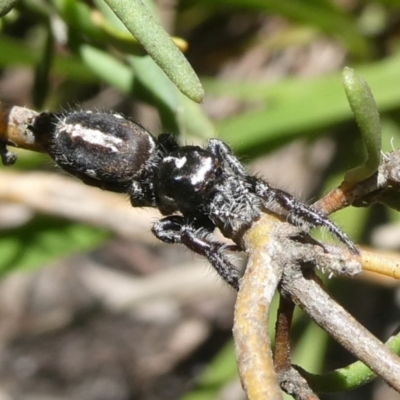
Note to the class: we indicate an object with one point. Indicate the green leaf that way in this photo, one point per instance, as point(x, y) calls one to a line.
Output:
point(6, 6)
point(178, 113)
point(347, 378)
point(363, 105)
point(107, 67)
point(159, 45)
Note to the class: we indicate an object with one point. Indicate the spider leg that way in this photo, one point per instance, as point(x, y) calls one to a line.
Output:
point(300, 214)
point(225, 154)
point(213, 251)
point(168, 229)
point(177, 229)
point(7, 157)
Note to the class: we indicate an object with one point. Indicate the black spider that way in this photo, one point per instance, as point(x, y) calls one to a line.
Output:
point(208, 187)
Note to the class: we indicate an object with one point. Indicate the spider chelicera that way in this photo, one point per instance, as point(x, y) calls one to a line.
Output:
point(198, 189)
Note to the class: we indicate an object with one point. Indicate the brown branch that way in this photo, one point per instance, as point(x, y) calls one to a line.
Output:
point(366, 192)
point(290, 380)
point(282, 357)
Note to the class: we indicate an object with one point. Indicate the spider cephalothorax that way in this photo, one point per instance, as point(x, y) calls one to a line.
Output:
point(198, 188)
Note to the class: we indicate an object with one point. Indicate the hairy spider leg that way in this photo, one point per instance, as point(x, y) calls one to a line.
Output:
point(300, 214)
point(177, 229)
point(214, 252)
point(225, 154)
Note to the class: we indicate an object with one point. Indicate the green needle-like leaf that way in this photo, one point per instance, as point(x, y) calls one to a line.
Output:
point(366, 114)
point(159, 45)
point(6, 6)
point(347, 378)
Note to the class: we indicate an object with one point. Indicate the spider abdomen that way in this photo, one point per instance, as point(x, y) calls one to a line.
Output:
point(96, 146)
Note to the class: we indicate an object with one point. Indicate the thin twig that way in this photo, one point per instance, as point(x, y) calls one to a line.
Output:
point(381, 263)
point(282, 357)
point(289, 379)
point(366, 192)
point(253, 346)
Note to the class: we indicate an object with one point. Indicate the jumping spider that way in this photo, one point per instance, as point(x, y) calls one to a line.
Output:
point(208, 186)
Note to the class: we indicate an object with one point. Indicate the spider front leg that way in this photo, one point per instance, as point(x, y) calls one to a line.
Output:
point(177, 229)
point(299, 214)
point(225, 154)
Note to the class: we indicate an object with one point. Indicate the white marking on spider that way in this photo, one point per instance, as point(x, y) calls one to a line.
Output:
point(93, 136)
point(153, 144)
point(179, 162)
point(201, 173)
point(91, 173)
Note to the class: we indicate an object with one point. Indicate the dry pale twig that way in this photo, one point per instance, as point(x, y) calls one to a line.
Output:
point(253, 347)
point(271, 248)
point(381, 262)
point(62, 196)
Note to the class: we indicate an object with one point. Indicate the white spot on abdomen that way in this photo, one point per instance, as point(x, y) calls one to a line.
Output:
point(93, 136)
